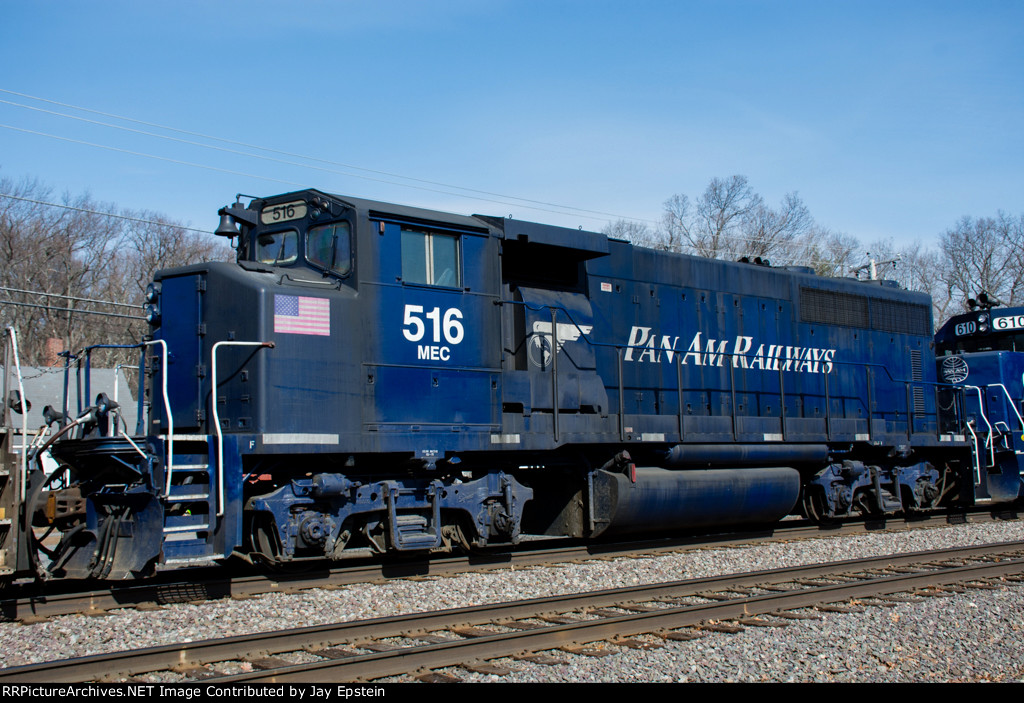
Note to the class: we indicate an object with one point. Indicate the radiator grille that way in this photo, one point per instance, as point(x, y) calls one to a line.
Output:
point(917, 374)
point(850, 310)
point(829, 308)
point(902, 318)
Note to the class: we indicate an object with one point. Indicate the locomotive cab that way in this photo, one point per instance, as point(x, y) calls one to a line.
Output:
point(293, 233)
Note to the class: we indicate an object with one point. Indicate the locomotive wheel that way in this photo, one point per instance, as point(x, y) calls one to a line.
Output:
point(265, 542)
point(814, 506)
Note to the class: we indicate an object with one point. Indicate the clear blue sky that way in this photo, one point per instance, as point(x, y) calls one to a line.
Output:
point(891, 119)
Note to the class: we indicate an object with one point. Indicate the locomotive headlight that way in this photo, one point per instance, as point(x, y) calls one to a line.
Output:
point(982, 317)
point(983, 328)
point(153, 314)
point(152, 292)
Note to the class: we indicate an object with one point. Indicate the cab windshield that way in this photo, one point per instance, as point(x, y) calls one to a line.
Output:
point(329, 247)
point(277, 248)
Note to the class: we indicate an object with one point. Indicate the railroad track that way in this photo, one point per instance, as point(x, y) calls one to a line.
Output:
point(421, 642)
point(32, 603)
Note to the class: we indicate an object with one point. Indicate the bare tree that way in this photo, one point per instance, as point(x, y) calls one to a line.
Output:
point(730, 220)
point(158, 243)
point(921, 269)
point(830, 253)
point(713, 226)
point(52, 259)
point(781, 235)
point(985, 254)
point(56, 261)
point(723, 209)
point(636, 232)
point(676, 231)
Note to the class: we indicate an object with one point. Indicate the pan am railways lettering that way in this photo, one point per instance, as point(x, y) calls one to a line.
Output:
point(771, 357)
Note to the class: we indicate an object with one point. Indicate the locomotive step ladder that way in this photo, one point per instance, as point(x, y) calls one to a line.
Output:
point(412, 530)
point(195, 527)
point(190, 509)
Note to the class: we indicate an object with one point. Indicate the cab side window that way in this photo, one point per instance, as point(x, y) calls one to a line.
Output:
point(330, 247)
point(431, 258)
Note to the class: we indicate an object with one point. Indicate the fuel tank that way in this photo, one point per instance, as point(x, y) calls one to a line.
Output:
point(652, 499)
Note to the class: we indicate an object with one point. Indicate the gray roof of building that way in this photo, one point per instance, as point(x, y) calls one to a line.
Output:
point(45, 386)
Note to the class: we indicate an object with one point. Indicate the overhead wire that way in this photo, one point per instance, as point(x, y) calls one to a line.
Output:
point(268, 178)
point(75, 311)
point(306, 157)
point(563, 209)
point(105, 214)
point(149, 156)
point(578, 212)
point(70, 297)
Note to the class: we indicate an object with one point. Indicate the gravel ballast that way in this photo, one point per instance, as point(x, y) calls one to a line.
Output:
point(974, 636)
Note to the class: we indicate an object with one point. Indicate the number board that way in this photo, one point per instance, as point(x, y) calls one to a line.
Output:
point(283, 212)
point(969, 327)
point(1009, 322)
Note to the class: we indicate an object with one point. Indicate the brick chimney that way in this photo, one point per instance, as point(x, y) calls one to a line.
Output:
point(54, 346)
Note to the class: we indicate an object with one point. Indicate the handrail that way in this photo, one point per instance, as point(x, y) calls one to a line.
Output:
point(216, 415)
point(734, 363)
point(975, 454)
point(981, 410)
point(1012, 403)
point(554, 371)
point(167, 411)
point(13, 335)
point(87, 352)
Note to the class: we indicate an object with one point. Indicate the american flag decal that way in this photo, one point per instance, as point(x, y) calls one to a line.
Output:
point(301, 315)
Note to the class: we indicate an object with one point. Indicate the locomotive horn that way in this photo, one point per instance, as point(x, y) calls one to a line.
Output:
point(988, 301)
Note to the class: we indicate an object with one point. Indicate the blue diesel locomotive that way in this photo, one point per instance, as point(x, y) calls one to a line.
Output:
point(981, 353)
point(369, 378)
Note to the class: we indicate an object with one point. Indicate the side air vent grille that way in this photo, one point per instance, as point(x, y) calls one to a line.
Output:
point(850, 310)
point(830, 308)
point(917, 374)
point(902, 318)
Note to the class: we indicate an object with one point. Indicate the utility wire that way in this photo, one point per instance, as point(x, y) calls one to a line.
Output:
point(598, 215)
point(275, 180)
point(70, 297)
point(71, 310)
point(603, 215)
point(104, 214)
point(786, 246)
point(150, 156)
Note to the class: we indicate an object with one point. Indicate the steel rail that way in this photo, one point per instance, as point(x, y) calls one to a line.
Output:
point(211, 583)
point(120, 664)
point(433, 656)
